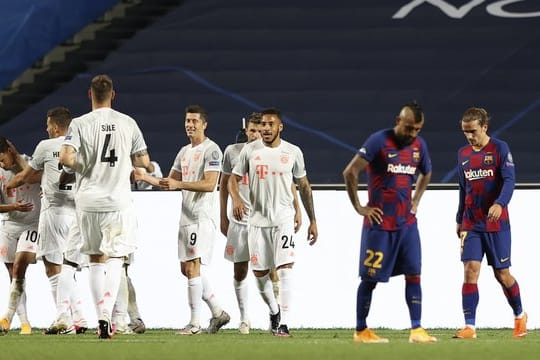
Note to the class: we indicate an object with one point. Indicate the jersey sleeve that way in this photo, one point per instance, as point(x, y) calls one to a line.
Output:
point(37, 161)
point(73, 137)
point(138, 143)
point(177, 164)
point(425, 160)
point(299, 167)
point(508, 175)
point(461, 185)
point(212, 158)
point(371, 147)
point(227, 168)
point(242, 165)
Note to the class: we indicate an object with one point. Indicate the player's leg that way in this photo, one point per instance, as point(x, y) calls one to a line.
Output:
point(275, 283)
point(120, 309)
point(284, 255)
point(472, 253)
point(190, 268)
point(206, 233)
point(17, 288)
point(237, 251)
point(261, 254)
point(498, 251)
point(136, 323)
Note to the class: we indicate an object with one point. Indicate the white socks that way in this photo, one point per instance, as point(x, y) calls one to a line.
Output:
point(285, 292)
point(265, 288)
point(195, 290)
point(241, 290)
point(209, 297)
point(96, 274)
point(113, 268)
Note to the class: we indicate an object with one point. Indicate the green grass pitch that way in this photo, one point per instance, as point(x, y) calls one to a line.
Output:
point(334, 344)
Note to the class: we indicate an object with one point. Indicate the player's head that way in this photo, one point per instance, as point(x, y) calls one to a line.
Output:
point(409, 122)
point(474, 124)
point(253, 127)
point(271, 126)
point(7, 157)
point(196, 121)
point(58, 120)
point(101, 90)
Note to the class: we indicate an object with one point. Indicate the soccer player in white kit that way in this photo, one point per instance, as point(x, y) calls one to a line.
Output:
point(196, 171)
point(59, 245)
point(18, 234)
point(236, 248)
point(102, 147)
point(271, 165)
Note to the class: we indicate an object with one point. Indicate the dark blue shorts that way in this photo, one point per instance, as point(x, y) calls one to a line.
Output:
point(388, 253)
point(496, 245)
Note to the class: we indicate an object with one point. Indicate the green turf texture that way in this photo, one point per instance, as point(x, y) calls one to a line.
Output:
point(335, 344)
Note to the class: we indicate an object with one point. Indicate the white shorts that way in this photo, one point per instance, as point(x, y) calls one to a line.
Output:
point(236, 249)
point(270, 247)
point(196, 241)
point(54, 225)
point(74, 243)
point(21, 241)
point(110, 233)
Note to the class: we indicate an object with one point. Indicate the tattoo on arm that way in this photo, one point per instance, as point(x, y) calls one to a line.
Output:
point(307, 198)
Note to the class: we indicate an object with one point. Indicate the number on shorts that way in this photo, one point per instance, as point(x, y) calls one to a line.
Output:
point(32, 236)
point(192, 239)
point(374, 259)
point(112, 158)
point(287, 242)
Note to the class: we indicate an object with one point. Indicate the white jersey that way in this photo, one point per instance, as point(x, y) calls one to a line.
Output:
point(271, 172)
point(104, 140)
point(230, 158)
point(192, 162)
point(15, 221)
point(45, 159)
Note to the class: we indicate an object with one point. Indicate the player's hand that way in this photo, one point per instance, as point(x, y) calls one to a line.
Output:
point(224, 225)
point(373, 214)
point(494, 212)
point(297, 221)
point(313, 234)
point(239, 209)
point(138, 174)
point(23, 206)
point(170, 184)
point(458, 230)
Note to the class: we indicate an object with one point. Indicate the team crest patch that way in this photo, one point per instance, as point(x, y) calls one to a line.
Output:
point(229, 250)
point(416, 156)
point(254, 259)
point(372, 272)
point(488, 159)
point(196, 156)
point(284, 158)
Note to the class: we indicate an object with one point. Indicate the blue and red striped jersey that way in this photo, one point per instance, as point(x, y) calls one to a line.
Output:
point(391, 174)
point(485, 177)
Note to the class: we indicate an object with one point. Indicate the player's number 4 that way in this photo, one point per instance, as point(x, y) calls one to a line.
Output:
point(112, 158)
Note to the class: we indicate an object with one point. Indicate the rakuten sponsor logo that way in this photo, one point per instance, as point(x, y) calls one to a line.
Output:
point(401, 169)
point(478, 174)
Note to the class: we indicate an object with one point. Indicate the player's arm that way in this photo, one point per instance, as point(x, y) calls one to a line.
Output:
point(223, 200)
point(238, 206)
point(307, 200)
point(350, 174)
point(206, 184)
point(421, 185)
point(141, 159)
point(28, 175)
point(297, 211)
point(68, 158)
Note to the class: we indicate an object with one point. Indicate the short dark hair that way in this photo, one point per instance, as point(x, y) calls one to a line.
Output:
point(3, 144)
point(417, 110)
point(197, 109)
point(255, 118)
point(101, 87)
point(476, 113)
point(60, 116)
point(272, 111)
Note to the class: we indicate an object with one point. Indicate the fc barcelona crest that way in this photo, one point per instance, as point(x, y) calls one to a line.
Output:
point(488, 159)
point(416, 156)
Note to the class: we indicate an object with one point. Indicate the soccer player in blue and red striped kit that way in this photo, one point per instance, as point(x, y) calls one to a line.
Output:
point(394, 160)
point(486, 183)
